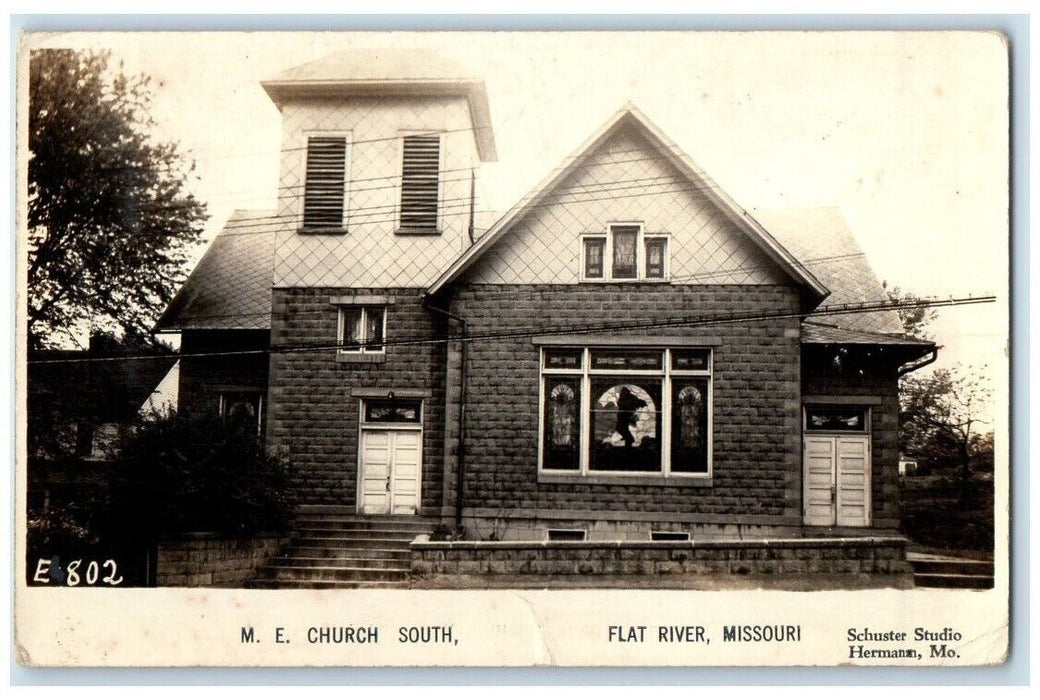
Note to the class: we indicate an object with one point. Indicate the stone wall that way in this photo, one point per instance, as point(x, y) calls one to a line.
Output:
point(872, 560)
point(756, 413)
point(211, 560)
point(313, 415)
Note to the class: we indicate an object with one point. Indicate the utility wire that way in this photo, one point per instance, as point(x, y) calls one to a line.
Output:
point(599, 185)
point(270, 222)
point(514, 293)
point(529, 331)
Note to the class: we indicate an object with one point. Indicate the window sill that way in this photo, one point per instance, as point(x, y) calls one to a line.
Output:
point(627, 280)
point(360, 358)
point(324, 231)
point(701, 480)
point(417, 232)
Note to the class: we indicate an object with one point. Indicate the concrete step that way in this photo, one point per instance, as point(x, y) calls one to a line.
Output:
point(335, 552)
point(331, 573)
point(945, 566)
point(381, 543)
point(351, 543)
point(368, 562)
point(952, 581)
point(308, 511)
point(272, 583)
point(360, 533)
point(363, 524)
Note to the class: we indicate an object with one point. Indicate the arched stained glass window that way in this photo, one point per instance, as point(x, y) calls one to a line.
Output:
point(560, 439)
point(690, 425)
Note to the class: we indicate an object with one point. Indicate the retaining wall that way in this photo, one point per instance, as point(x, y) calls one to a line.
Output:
point(879, 561)
point(201, 560)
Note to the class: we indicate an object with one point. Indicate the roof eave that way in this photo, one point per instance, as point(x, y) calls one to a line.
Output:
point(282, 91)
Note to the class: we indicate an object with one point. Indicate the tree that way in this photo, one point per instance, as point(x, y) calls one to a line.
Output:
point(915, 319)
point(110, 219)
point(942, 417)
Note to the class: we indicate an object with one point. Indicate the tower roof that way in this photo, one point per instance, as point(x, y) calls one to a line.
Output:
point(388, 72)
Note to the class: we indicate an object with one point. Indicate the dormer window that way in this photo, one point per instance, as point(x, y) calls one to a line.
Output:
point(325, 183)
point(625, 253)
point(420, 184)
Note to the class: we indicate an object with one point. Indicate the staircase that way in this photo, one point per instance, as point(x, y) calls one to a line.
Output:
point(334, 547)
point(938, 571)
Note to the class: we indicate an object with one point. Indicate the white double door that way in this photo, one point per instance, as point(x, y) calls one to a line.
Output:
point(391, 471)
point(837, 480)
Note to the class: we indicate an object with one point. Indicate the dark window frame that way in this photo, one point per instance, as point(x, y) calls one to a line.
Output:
point(366, 346)
point(667, 420)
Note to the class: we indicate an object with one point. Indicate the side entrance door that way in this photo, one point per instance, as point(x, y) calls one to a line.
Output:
point(837, 468)
point(390, 459)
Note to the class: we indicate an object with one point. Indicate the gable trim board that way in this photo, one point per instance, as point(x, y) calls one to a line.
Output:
point(630, 115)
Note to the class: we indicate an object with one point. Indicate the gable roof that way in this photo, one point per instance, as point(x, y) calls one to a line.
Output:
point(388, 72)
point(230, 288)
point(823, 242)
point(631, 116)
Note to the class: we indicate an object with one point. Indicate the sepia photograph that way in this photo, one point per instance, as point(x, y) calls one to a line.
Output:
point(704, 329)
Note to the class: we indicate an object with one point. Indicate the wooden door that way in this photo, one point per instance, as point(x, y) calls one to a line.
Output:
point(837, 480)
point(391, 471)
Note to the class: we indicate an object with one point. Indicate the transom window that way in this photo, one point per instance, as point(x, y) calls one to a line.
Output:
point(843, 419)
point(393, 411)
point(361, 329)
point(624, 253)
point(628, 410)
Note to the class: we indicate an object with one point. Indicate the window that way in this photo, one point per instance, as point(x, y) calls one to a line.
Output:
point(594, 257)
point(420, 182)
point(656, 536)
point(393, 411)
point(361, 330)
point(559, 535)
point(624, 253)
point(626, 411)
point(241, 412)
point(625, 241)
point(325, 182)
point(844, 419)
point(654, 259)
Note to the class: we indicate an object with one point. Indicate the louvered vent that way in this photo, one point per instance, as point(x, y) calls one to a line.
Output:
point(419, 180)
point(326, 179)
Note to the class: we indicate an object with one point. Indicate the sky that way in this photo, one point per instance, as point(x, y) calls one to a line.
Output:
point(907, 133)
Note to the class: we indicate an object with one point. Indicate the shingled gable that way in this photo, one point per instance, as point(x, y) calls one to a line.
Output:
point(230, 288)
point(630, 115)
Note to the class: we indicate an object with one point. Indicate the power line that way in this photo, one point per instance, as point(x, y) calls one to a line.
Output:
point(599, 185)
point(235, 229)
point(513, 293)
point(529, 331)
point(464, 202)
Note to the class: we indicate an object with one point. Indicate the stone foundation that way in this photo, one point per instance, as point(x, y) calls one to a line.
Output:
point(201, 560)
point(830, 562)
point(535, 529)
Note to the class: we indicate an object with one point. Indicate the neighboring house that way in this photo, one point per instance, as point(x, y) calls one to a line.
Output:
point(907, 465)
point(577, 406)
point(77, 402)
